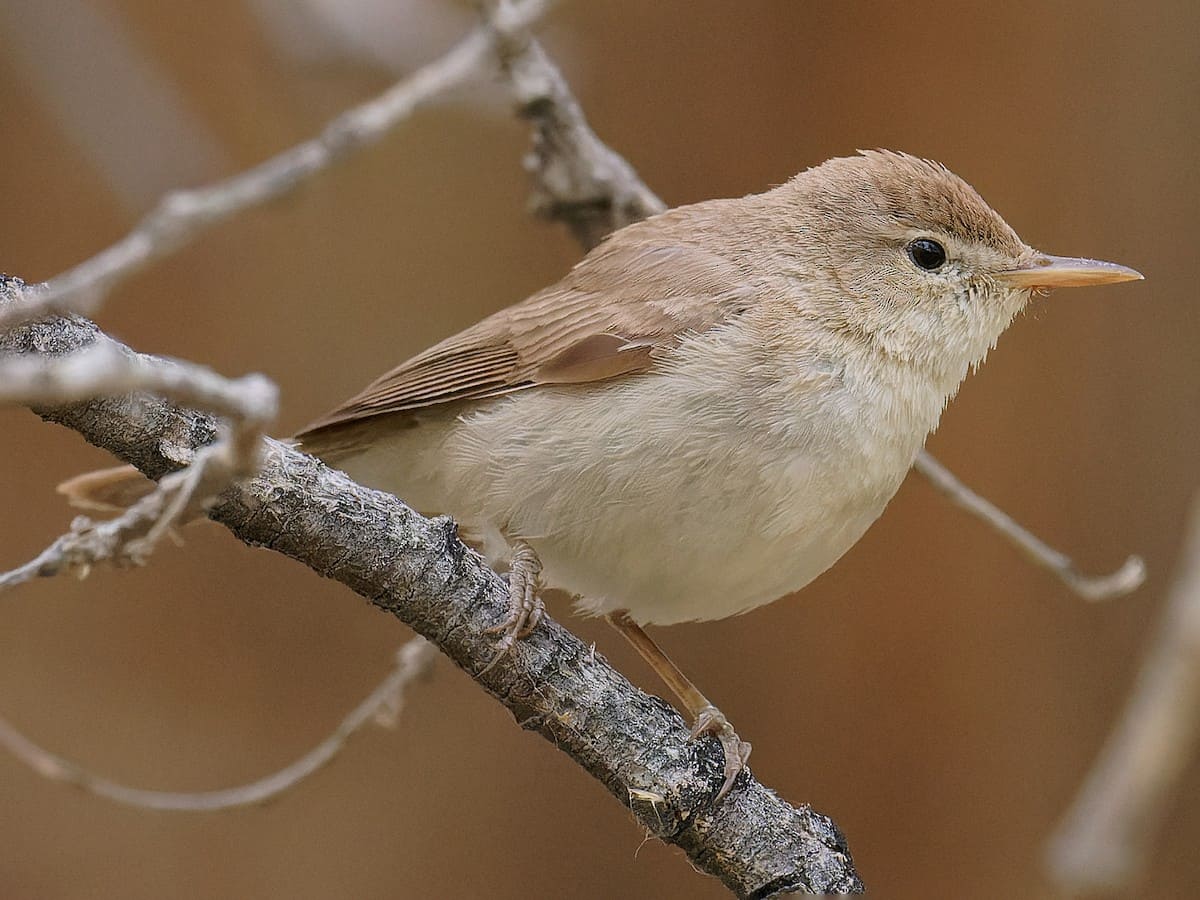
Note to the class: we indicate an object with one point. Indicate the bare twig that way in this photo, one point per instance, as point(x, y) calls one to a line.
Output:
point(382, 705)
point(183, 215)
point(130, 538)
point(105, 371)
point(1103, 840)
point(1126, 579)
point(249, 404)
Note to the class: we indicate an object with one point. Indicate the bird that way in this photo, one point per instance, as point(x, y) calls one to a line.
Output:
point(711, 407)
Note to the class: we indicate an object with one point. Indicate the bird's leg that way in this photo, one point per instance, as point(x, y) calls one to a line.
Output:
point(707, 718)
point(525, 603)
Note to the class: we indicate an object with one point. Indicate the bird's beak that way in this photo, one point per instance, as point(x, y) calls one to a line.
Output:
point(1044, 271)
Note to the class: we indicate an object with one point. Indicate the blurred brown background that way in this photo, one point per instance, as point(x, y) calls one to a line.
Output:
point(934, 693)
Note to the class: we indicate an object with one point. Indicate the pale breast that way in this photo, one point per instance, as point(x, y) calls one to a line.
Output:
point(673, 495)
point(686, 494)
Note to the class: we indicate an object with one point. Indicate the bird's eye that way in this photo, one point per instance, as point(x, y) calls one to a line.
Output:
point(927, 254)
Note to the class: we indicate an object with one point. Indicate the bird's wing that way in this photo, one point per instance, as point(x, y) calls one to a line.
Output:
point(614, 314)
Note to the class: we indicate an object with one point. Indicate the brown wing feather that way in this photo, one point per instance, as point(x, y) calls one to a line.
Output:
point(625, 303)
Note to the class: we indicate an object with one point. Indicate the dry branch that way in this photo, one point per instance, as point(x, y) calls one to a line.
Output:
point(418, 570)
point(129, 539)
point(183, 215)
point(382, 705)
point(1123, 581)
point(578, 179)
point(248, 404)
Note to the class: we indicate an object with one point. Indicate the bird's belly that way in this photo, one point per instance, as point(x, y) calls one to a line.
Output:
point(684, 495)
point(658, 519)
point(704, 570)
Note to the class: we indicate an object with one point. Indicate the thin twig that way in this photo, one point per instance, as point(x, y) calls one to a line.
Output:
point(183, 215)
point(102, 371)
point(1105, 837)
point(249, 405)
point(382, 705)
point(1126, 579)
point(129, 539)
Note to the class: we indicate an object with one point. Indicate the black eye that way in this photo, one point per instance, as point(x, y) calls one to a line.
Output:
point(927, 254)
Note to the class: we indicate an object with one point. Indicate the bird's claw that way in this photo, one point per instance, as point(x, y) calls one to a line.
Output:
point(525, 603)
point(713, 722)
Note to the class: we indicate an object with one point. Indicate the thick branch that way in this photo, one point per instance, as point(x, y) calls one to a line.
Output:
point(417, 569)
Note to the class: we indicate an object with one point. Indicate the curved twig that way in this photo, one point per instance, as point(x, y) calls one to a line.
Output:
point(1124, 580)
point(413, 659)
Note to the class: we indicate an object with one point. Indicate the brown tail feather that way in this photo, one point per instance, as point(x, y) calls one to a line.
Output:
point(106, 490)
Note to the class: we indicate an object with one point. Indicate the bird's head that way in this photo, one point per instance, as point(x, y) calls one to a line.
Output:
point(921, 265)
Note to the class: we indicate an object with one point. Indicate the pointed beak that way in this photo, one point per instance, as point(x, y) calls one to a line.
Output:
point(1044, 271)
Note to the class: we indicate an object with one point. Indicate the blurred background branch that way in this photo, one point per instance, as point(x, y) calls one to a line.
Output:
point(1107, 837)
point(382, 705)
point(125, 97)
point(184, 214)
point(1125, 580)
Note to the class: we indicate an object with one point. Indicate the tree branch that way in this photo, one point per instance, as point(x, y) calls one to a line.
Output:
point(1103, 840)
point(1123, 581)
point(577, 179)
point(182, 216)
point(636, 745)
point(382, 705)
point(107, 369)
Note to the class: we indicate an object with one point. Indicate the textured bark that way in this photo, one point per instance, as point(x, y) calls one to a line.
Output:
point(418, 570)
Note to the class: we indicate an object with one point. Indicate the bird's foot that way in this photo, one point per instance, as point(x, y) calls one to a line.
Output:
point(525, 602)
point(711, 720)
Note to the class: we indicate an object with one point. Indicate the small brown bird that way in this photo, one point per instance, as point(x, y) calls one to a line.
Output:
point(712, 406)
